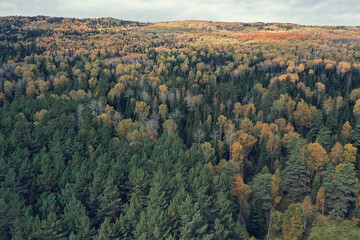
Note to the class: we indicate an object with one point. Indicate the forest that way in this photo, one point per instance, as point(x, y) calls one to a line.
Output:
point(113, 129)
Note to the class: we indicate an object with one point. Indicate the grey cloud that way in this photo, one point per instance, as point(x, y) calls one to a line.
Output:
point(313, 12)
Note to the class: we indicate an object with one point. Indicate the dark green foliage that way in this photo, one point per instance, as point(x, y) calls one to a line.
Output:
point(317, 122)
point(355, 135)
point(340, 189)
point(77, 161)
point(192, 224)
point(295, 175)
point(257, 219)
point(324, 137)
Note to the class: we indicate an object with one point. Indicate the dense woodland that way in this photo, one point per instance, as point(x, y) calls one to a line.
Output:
point(114, 129)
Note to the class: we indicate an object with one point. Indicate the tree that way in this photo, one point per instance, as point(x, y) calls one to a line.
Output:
point(317, 122)
point(302, 115)
point(163, 110)
point(336, 154)
point(273, 145)
point(261, 190)
point(109, 201)
point(192, 223)
point(339, 185)
point(324, 137)
point(207, 151)
point(106, 231)
point(142, 110)
point(242, 193)
point(356, 110)
point(321, 200)
point(198, 136)
point(308, 210)
point(349, 154)
point(318, 158)
point(293, 218)
point(236, 154)
point(355, 135)
point(246, 125)
point(237, 111)
point(221, 120)
point(116, 91)
point(257, 221)
point(223, 211)
point(170, 127)
point(126, 126)
point(346, 130)
point(275, 188)
point(295, 175)
point(247, 141)
point(51, 227)
point(138, 181)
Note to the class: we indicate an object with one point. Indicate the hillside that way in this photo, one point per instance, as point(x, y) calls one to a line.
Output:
point(113, 129)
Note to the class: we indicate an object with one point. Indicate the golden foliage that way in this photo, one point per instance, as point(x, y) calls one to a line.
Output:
point(40, 115)
point(242, 193)
point(170, 126)
point(336, 153)
point(207, 151)
point(275, 188)
point(349, 155)
point(302, 115)
point(321, 200)
point(346, 130)
point(318, 157)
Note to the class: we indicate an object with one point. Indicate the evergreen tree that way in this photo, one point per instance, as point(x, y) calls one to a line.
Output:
point(315, 186)
point(257, 225)
point(109, 201)
point(295, 175)
point(324, 137)
point(51, 227)
point(106, 231)
point(355, 135)
point(340, 189)
point(192, 225)
point(224, 222)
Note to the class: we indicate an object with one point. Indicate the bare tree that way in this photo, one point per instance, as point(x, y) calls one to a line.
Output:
point(198, 136)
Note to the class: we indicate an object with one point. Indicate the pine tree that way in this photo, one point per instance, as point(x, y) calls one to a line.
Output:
point(51, 227)
point(106, 231)
point(139, 185)
point(355, 135)
point(75, 219)
point(315, 186)
point(109, 201)
point(317, 122)
point(193, 224)
point(295, 175)
point(257, 219)
point(200, 178)
point(339, 184)
point(324, 137)
point(224, 222)
point(332, 119)
point(261, 190)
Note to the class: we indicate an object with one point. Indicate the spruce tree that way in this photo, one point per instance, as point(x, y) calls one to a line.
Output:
point(340, 189)
point(109, 201)
point(317, 122)
point(355, 135)
point(193, 224)
point(295, 175)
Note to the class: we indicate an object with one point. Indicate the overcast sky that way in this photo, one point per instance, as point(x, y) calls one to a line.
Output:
point(311, 12)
